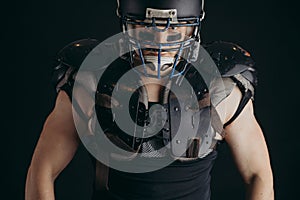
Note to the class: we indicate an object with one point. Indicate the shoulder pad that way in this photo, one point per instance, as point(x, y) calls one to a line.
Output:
point(235, 63)
point(68, 61)
point(232, 60)
point(74, 53)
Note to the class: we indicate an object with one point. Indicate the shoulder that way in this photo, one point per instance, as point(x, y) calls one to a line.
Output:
point(68, 61)
point(232, 60)
point(227, 55)
point(238, 72)
point(74, 53)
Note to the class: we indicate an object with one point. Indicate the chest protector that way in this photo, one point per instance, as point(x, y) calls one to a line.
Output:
point(181, 122)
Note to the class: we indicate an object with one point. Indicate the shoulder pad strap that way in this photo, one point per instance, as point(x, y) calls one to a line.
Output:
point(245, 98)
point(236, 63)
point(68, 61)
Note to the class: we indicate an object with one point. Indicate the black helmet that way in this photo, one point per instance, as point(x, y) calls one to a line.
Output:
point(176, 21)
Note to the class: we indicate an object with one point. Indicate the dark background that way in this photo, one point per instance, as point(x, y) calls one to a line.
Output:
point(34, 31)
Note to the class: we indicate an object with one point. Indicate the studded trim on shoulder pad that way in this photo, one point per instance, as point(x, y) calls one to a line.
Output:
point(235, 63)
point(68, 61)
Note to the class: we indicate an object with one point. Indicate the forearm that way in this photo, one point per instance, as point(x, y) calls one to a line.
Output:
point(39, 186)
point(260, 188)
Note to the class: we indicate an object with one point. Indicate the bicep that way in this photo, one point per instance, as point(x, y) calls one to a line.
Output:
point(246, 141)
point(58, 141)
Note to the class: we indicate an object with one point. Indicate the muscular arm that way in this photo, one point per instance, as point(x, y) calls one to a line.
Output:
point(55, 149)
point(246, 141)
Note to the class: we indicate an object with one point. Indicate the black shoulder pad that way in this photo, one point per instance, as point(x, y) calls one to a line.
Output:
point(236, 63)
point(226, 55)
point(68, 61)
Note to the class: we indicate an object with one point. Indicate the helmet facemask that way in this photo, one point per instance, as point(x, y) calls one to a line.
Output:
point(160, 40)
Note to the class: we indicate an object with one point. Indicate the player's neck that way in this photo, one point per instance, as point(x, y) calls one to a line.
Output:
point(154, 87)
point(153, 91)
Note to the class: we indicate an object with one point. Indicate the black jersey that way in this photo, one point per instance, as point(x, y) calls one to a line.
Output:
point(180, 180)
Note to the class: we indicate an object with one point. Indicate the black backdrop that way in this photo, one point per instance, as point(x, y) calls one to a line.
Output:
point(33, 32)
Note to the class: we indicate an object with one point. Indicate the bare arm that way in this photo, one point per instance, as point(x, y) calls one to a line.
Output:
point(55, 149)
point(246, 141)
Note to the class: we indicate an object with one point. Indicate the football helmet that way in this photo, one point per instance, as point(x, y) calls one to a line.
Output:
point(160, 33)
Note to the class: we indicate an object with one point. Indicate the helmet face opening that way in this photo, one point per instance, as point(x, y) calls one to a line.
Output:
point(158, 37)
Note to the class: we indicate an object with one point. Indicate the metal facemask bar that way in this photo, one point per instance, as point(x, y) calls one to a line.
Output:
point(162, 21)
